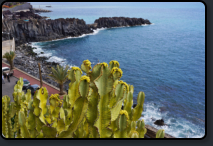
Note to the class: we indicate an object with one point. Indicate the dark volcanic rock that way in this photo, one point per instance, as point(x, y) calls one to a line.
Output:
point(39, 29)
point(120, 21)
point(5, 36)
point(30, 62)
point(44, 30)
point(28, 15)
point(7, 12)
point(159, 122)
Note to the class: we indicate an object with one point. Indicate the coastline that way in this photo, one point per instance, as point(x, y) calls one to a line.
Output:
point(159, 58)
point(95, 31)
point(27, 51)
point(27, 60)
point(38, 29)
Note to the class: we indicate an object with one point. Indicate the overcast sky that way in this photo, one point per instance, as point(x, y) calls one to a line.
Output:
point(128, 4)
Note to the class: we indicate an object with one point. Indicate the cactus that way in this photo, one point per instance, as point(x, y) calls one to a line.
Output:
point(141, 128)
point(80, 105)
point(160, 133)
point(92, 108)
point(7, 114)
point(121, 131)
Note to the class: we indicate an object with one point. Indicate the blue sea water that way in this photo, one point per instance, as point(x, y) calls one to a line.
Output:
point(166, 60)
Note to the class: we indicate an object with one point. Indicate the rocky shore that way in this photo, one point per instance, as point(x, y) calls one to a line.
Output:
point(36, 30)
point(27, 60)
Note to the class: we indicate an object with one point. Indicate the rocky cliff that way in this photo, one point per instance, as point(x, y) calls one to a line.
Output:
point(120, 21)
point(46, 30)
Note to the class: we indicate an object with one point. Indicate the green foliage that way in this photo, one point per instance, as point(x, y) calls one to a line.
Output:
point(92, 108)
point(59, 74)
point(10, 57)
point(160, 133)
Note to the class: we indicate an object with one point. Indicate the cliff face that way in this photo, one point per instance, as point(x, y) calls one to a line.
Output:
point(43, 30)
point(46, 30)
point(120, 21)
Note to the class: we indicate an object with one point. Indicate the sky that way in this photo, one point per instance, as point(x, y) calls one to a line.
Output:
point(128, 4)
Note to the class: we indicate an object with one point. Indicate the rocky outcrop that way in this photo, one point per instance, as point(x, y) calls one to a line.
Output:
point(28, 62)
point(28, 15)
point(160, 122)
point(7, 14)
point(120, 21)
point(21, 15)
point(5, 36)
point(46, 30)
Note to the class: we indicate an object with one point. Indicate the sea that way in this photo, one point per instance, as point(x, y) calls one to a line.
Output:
point(165, 60)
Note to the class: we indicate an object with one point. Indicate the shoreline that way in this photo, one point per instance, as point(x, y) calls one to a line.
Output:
point(57, 29)
point(70, 37)
point(75, 28)
point(95, 31)
point(27, 61)
point(27, 51)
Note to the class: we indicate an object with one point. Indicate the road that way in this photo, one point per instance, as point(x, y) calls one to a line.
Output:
point(8, 88)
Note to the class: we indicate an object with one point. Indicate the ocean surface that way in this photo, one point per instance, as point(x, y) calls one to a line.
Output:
point(165, 60)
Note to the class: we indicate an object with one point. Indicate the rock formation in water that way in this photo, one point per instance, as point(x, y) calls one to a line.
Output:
point(36, 30)
point(160, 122)
point(120, 21)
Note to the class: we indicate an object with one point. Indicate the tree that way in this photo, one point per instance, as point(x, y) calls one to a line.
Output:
point(59, 75)
point(10, 57)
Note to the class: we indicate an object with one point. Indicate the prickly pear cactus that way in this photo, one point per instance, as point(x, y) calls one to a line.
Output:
point(92, 108)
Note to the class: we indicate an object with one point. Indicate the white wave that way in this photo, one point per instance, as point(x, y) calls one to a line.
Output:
point(38, 50)
point(177, 127)
point(130, 26)
point(56, 59)
point(94, 33)
point(145, 24)
point(45, 55)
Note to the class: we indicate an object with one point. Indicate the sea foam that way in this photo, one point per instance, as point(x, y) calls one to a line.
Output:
point(177, 127)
